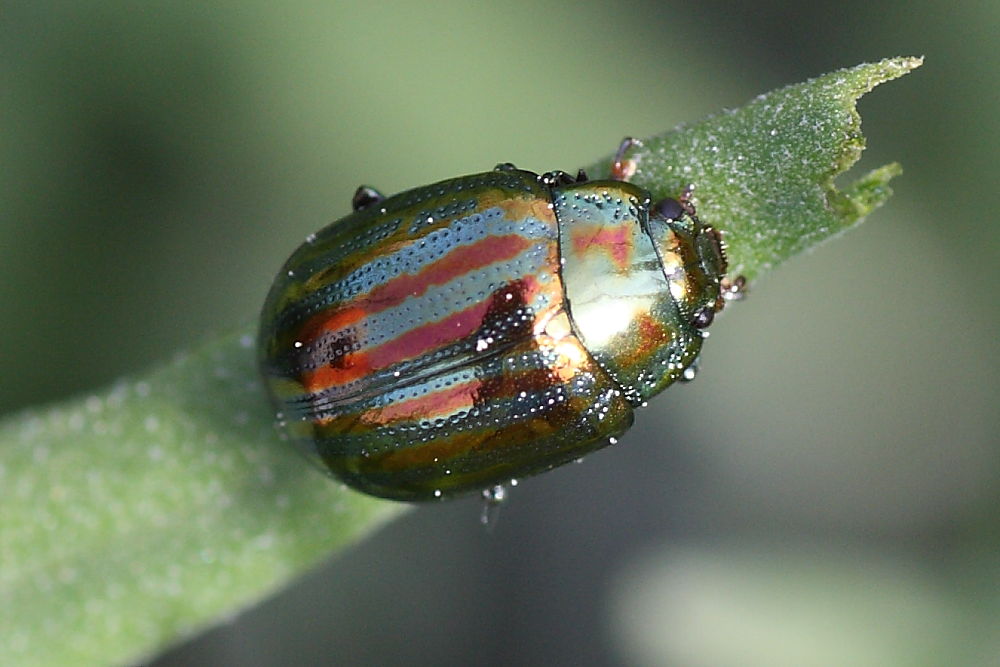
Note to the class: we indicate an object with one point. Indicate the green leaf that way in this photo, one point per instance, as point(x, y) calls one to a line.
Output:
point(137, 515)
point(764, 173)
point(143, 513)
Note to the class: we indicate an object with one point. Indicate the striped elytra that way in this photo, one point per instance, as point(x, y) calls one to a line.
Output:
point(459, 335)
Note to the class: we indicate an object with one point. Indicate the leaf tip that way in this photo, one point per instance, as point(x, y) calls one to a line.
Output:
point(869, 75)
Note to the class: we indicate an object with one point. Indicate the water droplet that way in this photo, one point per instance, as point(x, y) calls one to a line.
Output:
point(492, 498)
point(495, 494)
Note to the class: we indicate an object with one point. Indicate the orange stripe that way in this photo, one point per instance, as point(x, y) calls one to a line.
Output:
point(326, 320)
point(433, 404)
point(353, 366)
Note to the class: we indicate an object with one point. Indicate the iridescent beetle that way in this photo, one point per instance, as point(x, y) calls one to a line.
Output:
point(460, 335)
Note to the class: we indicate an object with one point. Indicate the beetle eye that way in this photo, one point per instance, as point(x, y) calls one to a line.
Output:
point(703, 317)
point(669, 208)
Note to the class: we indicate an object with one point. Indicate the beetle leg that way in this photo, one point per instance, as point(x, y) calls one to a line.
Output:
point(581, 176)
point(622, 169)
point(685, 200)
point(365, 196)
point(734, 289)
point(505, 166)
point(556, 178)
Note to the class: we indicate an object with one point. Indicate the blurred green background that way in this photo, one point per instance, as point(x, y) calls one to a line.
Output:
point(825, 494)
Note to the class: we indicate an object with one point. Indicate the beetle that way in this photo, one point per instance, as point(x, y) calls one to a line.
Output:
point(463, 334)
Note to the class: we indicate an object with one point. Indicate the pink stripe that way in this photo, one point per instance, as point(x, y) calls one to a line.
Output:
point(433, 335)
point(461, 261)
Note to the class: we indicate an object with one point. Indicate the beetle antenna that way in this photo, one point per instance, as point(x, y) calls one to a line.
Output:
point(622, 169)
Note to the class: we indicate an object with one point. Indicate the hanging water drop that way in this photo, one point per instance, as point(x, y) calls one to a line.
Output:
point(492, 498)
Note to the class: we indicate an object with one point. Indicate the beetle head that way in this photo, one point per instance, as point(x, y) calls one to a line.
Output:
point(693, 257)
